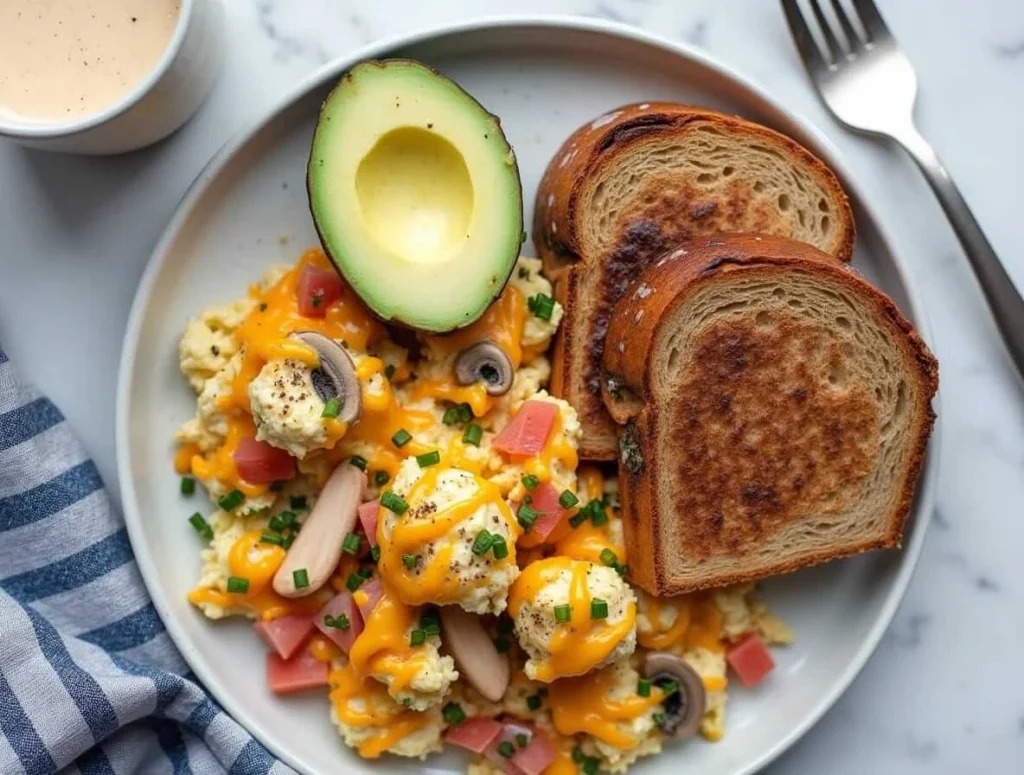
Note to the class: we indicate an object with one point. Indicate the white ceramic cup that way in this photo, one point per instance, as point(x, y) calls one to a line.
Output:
point(159, 104)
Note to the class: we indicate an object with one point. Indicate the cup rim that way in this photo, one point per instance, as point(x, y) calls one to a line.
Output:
point(41, 130)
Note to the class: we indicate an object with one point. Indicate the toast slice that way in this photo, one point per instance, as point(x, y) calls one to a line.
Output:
point(774, 410)
point(640, 179)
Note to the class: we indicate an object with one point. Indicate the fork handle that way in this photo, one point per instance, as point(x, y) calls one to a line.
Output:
point(1003, 298)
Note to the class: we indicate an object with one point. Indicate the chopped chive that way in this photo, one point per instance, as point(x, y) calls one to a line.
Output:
point(283, 520)
point(501, 644)
point(232, 500)
point(643, 687)
point(578, 755)
point(577, 519)
point(541, 305)
point(351, 544)
point(622, 569)
point(533, 702)
point(590, 765)
point(473, 434)
point(409, 560)
point(429, 458)
point(609, 558)
point(288, 541)
point(506, 749)
point(301, 578)
point(238, 585)
point(526, 516)
point(358, 461)
point(453, 713)
point(365, 572)
point(332, 408)
point(375, 554)
point(599, 518)
point(563, 613)
point(271, 538)
point(598, 608)
point(201, 526)
point(499, 548)
point(522, 740)
point(417, 637)
point(668, 686)
point(188, 485)
point(430, 624)
point(389, 371)
point(530, 482)
point(567, 499)
point(380, 478)
point(465, 412)
point(353, 582)
point(451, 415)
point(658, 718)
point(401, 437)
point(482, 543)
point(393, 502)
point(339, 622)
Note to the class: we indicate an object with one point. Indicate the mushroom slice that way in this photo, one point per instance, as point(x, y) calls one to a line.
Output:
point(475, 655)
point(485, 362)
point(317, 547)
point(336, 376)
point(685, 708)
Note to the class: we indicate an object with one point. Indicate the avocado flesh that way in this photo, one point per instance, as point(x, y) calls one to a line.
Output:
point(415, 193)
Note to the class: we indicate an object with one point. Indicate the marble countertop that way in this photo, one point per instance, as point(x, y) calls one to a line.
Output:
point(945, 691)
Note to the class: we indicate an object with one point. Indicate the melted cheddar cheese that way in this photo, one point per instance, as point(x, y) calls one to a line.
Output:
point(697, 624)
point(382, 648)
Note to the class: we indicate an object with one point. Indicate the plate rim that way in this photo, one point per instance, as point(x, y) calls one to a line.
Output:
point(924, 501)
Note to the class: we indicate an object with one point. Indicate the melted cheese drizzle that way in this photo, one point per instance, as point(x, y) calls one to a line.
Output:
point(585, 705)
point(698, 624)
point(382, 648)
point(586, 541)
point(579, 644)
point(433, 580)
point(365, 703)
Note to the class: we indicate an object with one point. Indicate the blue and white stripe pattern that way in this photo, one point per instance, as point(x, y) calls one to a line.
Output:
point(90, 682)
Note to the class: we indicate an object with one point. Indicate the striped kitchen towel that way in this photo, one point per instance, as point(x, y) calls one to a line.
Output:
point(90, 682)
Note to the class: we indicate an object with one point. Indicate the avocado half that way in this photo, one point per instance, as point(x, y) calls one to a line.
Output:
point(415, 193)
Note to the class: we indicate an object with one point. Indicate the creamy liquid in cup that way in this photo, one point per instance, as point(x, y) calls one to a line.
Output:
point(61, 60)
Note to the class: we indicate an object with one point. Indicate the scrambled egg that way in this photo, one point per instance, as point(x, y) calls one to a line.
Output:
point(208, 342)
point(286, 408)
point(428, 688)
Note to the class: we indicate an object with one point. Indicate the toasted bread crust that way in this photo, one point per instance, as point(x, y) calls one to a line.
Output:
point(628, 361)
point(560, 220)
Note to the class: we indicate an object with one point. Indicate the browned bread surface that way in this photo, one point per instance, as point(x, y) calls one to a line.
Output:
point(636, 181)
point(775, 410)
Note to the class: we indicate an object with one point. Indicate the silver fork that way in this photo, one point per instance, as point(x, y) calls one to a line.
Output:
point(867, 82)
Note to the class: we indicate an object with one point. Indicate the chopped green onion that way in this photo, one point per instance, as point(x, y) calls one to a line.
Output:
point(577, 519)
point(430, 624)
point(401, 437)
point(232, 500)
point(501, 644)
point(332, 408)
point(658, 718)
point(283, 520)
point(599, 517)
point(567, 499)
point(188, 485)
point(578, 755)
point(201, 526)
point(530, 482)
point(451, 415)
point(669, 686)
point(380, 478)
point(389, 371)
point(622, 570)
point(271, 538)
point(506, 749)
point(563, 613)
point(353, 582)
point(429, 458)
point(598, 608)
point(300, 578)
point(533, 702)
point(453, 713)
point(526, 516)
point(393, 502)
point(351, 544)
point(365, 572)
point(541, 305)
point(473, 434)
point(375, 554)
point(499, 548)
point(358, 461)
point(590, 765)
point(409, 560)
point(482, 543)
point(643, 687)
point(522, 740)
point(339, 622)
point(417, 638)
point(238, 585)
point(609, 558)
point(288, 541)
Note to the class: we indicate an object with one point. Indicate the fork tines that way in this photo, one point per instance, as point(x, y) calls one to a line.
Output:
point(857, 31)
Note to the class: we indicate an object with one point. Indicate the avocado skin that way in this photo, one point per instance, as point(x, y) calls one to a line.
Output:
point(497, 282)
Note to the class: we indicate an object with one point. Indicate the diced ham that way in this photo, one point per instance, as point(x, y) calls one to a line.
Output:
point(544, 500)
point(318, 289)
point(260, 463)
point(368, 519)
point(527, 432)
point(750, 659)
point(474, 734)
point(537, 756)
point(301, 672)
point(285, 633)
point(368, 595)
point(531, 759)
point(341, 603)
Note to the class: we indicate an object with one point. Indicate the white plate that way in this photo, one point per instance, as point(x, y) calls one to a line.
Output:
point(544, 78)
